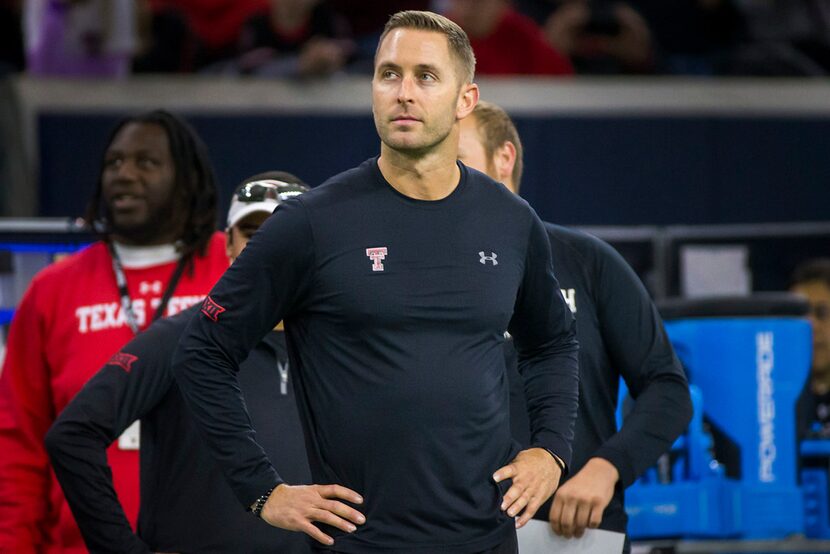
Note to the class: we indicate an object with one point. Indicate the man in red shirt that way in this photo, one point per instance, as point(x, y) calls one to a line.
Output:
point(155, 211)
point(506, 42)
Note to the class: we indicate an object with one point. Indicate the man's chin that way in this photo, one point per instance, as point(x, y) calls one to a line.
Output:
point(136, 233)
point(821, 365)
point(410, 146)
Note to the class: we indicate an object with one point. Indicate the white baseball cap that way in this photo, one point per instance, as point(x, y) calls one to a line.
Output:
point(263, 193)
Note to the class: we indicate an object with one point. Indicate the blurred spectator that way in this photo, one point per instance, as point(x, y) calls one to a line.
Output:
point(786, 38)
point(302, 38)
point(11, 36)
point(601, 38)
point(506, 42)
point(812, 280)
point(641, 36)
point(166, 42)
point(80, 37)
point(366, 19)
point(154, 208)
point(693, 36)
point(186, 35)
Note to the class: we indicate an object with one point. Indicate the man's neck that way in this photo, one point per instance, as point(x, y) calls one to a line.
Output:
point(138, 257)
point(820, 382)
point(430, 177)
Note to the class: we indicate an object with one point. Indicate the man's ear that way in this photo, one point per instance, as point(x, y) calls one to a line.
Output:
point(228, 242)
point(504, 160)
point(467, 101)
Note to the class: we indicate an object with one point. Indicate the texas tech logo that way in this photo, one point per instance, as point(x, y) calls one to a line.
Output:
point(377, 255)
point(123, 360)
point(212, 309)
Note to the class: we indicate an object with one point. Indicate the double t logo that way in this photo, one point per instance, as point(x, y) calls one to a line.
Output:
point(377, 255)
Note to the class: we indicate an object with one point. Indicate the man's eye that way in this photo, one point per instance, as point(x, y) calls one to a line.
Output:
point(147, 162)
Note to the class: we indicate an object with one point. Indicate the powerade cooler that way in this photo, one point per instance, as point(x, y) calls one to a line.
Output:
point(747, 359)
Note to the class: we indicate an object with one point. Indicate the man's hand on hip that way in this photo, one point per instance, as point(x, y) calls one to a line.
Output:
point(535, 476)
point(580, 502)
point(296, 508)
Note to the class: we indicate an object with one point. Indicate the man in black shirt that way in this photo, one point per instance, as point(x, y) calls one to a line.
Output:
point(620, 335)
point(186, 506)
point(397, 281)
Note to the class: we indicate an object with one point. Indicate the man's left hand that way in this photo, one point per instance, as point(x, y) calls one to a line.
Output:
point(535, 476)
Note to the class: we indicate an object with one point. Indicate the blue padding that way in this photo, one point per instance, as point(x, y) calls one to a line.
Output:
point(45, 248)
point(6, 316)
point(815, 448)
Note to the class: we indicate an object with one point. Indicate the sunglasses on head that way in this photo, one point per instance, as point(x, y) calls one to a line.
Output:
point(258, 191)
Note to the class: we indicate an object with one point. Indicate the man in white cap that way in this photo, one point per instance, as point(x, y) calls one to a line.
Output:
point(186, 505)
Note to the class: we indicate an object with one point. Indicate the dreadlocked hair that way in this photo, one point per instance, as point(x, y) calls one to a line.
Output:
point(194, 186)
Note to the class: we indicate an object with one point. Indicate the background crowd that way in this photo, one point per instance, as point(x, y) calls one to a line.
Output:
point(313, 38)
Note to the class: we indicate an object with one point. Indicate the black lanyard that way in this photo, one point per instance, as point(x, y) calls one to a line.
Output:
point(126, 301)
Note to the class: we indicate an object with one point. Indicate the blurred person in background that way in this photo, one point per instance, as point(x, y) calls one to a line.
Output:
point(300, 38)
point(600, 38)
point(693, 37)
point(188, 35)
point(784, 38)
point(366, 19)
point(811, 279)
point(11, 36)
point(506, 42)
point(186, 505)
point(154, 208)
point(80, 38)
point(641, 36)
point(620, 334)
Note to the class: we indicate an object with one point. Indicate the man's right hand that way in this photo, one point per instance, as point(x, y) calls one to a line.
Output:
point(295, 508)
point(580, 502)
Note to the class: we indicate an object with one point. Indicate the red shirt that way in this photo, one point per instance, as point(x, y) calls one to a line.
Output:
point(66, 327)
point(517, 47)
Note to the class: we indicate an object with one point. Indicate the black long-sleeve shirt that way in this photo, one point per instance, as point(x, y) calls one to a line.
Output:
point(186, 506)
point(395, 312)
point(620, 335)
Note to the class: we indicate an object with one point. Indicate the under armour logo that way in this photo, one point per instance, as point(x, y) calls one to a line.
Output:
point(491, 258)
point(211, 309)
point(149, 286)
point(377, 255)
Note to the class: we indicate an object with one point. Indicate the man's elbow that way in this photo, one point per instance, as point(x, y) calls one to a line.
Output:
point(57, 440)
point(686, 407)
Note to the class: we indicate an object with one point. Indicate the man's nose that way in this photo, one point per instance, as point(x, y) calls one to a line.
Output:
point(405, 90)
point(126, 170)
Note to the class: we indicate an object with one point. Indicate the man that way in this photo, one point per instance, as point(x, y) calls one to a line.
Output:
point(155, 209)
point(620, 335)
point(186, 506)
point(812, 280)
point(397, 280)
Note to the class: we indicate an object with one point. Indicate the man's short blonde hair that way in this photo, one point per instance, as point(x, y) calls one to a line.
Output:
point(457, 39)
point(495, 128)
